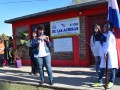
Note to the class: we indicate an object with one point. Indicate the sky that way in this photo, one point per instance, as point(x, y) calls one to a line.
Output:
point(10, 9)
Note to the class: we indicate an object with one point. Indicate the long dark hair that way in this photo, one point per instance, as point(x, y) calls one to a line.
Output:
point(1, 40)
point(40, 27)
point(109, 27)
point(98, 33)
point(98, 27)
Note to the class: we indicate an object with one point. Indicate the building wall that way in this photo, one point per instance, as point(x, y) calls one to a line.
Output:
point(82, 39)
point(81, 48)
point(61, 55)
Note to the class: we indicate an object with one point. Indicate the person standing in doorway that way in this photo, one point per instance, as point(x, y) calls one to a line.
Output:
point(34, 65)
point(95, 44)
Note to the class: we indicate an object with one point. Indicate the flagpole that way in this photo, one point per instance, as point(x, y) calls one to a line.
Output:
point(114, 19)
point(106, 72)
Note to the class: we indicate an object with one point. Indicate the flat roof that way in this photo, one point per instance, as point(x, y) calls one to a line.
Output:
point(82, 6)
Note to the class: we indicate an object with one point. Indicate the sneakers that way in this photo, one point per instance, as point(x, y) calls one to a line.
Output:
point(98, 84)
point(110, 85)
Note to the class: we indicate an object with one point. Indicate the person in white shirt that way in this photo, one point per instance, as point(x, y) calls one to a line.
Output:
point(110, 54)
point(96, 46)
point(42, 54)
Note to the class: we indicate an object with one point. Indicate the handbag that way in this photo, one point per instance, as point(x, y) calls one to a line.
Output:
point(18, 63)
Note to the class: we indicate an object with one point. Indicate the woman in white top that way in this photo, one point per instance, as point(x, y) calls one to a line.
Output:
point(110, 54)
point(96, 45)
point(42, 54)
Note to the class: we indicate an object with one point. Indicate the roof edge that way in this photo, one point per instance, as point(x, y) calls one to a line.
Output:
point(57, 10)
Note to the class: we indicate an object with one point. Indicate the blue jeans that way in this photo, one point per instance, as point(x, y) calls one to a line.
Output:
point(112, 74)
point(97, 61)
point(47, 62)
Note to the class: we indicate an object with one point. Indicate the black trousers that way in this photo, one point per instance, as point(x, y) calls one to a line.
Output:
point(10, 59)
point(1, 59)
point(34, 65)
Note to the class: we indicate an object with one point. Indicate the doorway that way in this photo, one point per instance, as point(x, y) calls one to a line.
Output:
point(47, 28)
point(92, 20)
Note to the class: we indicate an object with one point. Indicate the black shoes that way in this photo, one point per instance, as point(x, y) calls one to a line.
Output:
point(41, 82)
point(36, 74)
point(51, 82)
point(31, 73)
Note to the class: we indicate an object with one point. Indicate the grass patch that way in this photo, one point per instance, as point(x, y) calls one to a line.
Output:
point(13, 86)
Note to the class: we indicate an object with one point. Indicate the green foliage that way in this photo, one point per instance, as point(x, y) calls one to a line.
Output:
point(15, 86)
point(81, 1)
point(4, 36)
point(25, 34)
point(20, 36)
point(22, 41)
point(23, 37)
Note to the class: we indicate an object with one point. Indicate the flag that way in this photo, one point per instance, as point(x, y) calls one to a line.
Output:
point(114, 18)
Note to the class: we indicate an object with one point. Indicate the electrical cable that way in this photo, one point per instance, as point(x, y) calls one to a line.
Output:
point(23, 1)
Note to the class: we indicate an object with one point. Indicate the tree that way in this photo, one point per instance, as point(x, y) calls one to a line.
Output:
point(20, 36)
point(4, 36)
point(81, 1)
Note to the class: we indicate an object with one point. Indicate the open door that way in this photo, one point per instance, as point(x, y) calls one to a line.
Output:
point(47, 28)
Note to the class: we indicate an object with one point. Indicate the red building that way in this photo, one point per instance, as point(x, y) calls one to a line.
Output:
point(75, 49)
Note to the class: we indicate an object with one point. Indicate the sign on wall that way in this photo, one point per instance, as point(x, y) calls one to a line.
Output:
point(63, 45)
point(67, 27)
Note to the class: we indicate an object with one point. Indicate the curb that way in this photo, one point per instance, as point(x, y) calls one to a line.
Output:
point(36, 85)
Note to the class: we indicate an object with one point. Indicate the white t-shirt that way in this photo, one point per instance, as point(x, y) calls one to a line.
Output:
point(42, 52)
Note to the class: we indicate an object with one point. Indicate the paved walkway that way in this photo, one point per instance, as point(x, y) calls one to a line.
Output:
point(80, 78)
